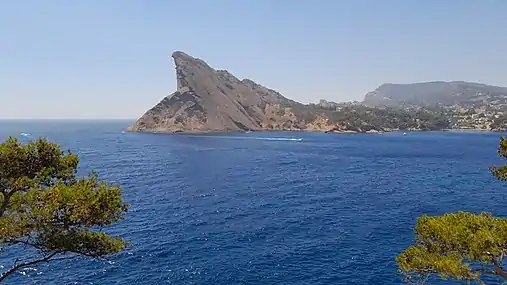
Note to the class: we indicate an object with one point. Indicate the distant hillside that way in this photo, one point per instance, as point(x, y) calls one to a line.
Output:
point(430, 93)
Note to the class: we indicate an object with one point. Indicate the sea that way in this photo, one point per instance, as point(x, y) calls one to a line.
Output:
point(267, 208)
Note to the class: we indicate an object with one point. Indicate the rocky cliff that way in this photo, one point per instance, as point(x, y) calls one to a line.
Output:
point(210, 100)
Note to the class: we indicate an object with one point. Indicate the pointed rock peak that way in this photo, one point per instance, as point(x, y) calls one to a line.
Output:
point(182, 59)
point(180, 54)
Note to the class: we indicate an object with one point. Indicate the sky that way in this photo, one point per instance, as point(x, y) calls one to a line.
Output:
point(111, 58)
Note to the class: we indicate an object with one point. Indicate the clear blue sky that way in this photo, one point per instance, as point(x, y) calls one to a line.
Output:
point(111, 58)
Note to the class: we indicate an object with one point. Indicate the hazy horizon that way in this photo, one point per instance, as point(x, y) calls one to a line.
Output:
point(111, 59)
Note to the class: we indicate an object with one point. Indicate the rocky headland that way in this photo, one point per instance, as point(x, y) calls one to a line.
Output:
point(211, 100)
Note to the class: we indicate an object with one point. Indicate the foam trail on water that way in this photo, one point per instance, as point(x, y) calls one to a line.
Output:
point(281, 139)
point(251, 138)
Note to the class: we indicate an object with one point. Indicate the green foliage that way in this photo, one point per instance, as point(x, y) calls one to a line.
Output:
point(462, 246)
point(43, 205)
point(388, 118)
point(450, 246)
point(500, 172)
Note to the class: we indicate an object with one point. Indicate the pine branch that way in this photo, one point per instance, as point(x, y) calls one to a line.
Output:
point(16, 267)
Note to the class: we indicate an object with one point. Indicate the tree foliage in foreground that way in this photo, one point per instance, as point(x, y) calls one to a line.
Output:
point(45, 207)
point(462, 246)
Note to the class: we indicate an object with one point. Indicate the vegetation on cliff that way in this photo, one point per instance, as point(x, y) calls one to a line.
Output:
point(390, 118)
point(360, 118)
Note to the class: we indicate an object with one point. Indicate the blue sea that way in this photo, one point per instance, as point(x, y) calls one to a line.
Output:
point(268, 208)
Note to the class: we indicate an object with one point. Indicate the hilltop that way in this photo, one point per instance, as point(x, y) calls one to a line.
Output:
point(466, 105)
point(466, 94)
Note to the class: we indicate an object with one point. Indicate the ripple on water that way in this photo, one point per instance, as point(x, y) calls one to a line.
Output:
point(327, 210)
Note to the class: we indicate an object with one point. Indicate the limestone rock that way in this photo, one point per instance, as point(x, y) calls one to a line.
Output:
point(209, 100)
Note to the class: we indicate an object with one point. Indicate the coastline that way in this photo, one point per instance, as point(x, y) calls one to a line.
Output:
point(474, 130)
point(347, 132)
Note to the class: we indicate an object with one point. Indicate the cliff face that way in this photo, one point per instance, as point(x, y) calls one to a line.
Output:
point(210, 100)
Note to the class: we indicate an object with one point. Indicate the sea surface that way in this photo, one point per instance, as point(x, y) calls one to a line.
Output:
point(268, 208)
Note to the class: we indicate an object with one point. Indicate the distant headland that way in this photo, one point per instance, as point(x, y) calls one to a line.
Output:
point(209, 100)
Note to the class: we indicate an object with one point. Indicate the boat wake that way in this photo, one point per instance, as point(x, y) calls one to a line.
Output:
point(281, 139)
point(251, 138)
point(25, 134)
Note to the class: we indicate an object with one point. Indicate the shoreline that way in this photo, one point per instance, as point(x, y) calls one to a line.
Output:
point(306, 131)
point(475, 130)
